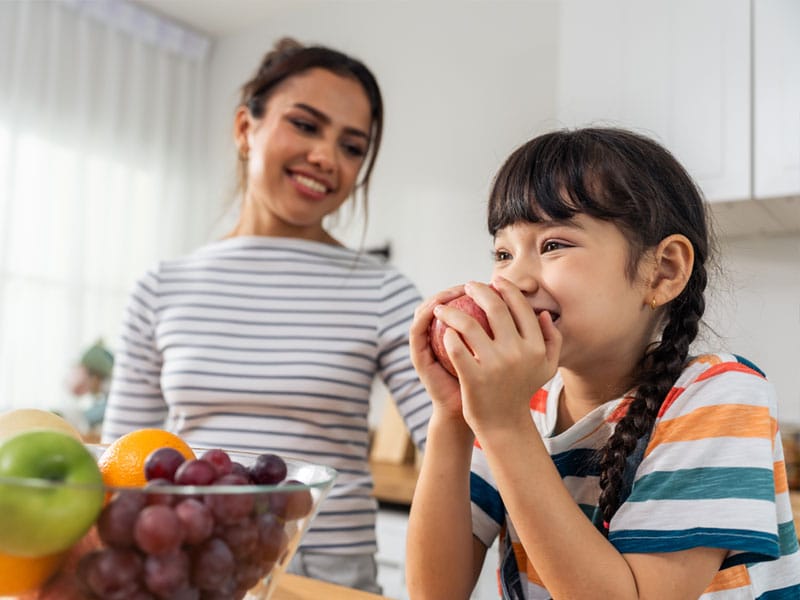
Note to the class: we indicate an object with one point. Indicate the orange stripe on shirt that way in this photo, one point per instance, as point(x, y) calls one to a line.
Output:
point(539, 401)
point(671, 397)
point(729, 579)
point(727, 367)
point(524, 565)
point(717, 367)
point(709, 359)
point(779, 473)
point(724, 420)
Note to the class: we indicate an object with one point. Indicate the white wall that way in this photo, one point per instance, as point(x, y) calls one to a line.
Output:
point(755, 308)
point(464, 83)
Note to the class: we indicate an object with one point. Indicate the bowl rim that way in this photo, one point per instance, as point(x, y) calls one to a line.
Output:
point(327, 477)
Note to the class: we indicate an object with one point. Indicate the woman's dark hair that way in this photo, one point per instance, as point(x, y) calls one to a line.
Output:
point(288, 58)
point(630, 181)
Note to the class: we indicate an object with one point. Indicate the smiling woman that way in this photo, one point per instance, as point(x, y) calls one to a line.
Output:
point(269, 339)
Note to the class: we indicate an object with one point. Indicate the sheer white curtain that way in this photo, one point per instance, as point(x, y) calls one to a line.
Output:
point(101, 133)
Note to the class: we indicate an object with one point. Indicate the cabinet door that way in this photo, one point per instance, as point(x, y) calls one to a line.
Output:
point(777, 97)
point(677, 70)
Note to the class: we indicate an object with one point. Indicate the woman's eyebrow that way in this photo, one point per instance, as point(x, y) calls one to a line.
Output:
point(327, 120)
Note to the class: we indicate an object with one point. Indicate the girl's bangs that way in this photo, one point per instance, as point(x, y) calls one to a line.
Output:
point(547, 180)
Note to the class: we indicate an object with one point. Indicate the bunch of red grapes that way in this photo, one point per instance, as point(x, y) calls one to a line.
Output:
point(205, 546)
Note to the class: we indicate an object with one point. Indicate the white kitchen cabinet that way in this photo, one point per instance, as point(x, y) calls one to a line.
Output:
point(776, 98)
point(677, 70)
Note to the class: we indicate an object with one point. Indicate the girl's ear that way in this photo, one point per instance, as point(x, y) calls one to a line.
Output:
point(673, 261)
point(242, 123)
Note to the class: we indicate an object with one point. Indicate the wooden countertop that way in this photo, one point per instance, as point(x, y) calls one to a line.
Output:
point(795, 496)
point(394, 483)
point(294, 587)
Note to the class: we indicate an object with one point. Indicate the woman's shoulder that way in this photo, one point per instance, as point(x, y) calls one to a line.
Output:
point(266, 248)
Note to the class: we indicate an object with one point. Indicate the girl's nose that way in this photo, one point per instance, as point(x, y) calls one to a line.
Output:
point(524, 274)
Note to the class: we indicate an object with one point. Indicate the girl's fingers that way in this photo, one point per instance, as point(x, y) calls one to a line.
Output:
point(519, 308)
point(423, 315)
point(419, 341)
point(552, 337)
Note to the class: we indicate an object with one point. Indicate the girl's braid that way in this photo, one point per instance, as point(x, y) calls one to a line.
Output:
point(658, 371)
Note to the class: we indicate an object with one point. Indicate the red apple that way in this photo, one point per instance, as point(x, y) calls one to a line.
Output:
point(437, 329)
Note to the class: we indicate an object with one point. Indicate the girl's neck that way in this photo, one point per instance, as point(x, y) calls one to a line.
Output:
point(580, 396)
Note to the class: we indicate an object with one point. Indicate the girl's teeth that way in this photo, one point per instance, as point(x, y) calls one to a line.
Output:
point(311, 183)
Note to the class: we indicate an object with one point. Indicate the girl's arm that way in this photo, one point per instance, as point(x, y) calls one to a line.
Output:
point(443, 560)
point(573, 559)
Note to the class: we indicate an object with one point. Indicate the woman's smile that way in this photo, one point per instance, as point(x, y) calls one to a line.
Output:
point(309, 186)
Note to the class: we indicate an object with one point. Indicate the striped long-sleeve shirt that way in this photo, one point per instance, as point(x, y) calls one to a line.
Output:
point(272, 345)
point(712, 475)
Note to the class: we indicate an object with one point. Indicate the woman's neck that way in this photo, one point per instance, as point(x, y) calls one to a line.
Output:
point(255, 222)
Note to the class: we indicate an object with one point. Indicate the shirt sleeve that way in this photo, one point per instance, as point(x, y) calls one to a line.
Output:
point(135, 399)
point(488, 510)
point(708, 474)
point(399, 299)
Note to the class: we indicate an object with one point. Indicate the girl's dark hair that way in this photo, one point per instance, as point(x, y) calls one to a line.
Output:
point(288, 58)
point(631, 181)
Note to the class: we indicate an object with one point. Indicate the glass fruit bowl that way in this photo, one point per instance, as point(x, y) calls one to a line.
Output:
point(227, 540)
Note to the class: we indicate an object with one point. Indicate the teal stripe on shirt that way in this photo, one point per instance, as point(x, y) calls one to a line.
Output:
point(788, 538)
point(705, 483)
point(762, 545)
point(787, 593)
point(486, 497)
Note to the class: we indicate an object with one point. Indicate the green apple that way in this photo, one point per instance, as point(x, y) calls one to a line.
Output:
point(51, 492)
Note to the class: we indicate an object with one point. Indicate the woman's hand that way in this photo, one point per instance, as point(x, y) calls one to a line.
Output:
point(442, 387)
point(499, 374)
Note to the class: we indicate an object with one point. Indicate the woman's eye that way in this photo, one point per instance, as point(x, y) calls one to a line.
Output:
point(355, 150)
point(303, 125)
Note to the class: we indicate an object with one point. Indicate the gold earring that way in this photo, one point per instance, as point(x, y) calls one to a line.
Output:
point(653, 303)
point(243, 154)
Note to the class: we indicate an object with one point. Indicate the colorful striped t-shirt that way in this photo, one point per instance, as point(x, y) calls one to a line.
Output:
point(711, 474)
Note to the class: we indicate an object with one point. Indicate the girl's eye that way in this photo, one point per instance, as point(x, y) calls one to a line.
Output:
point(502, 255)
point(551, 245)
point(303, 125)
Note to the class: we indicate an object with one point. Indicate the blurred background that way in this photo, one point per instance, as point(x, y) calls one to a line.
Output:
point(115, 145)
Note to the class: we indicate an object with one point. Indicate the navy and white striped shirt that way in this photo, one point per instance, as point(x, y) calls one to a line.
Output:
point(271, 345)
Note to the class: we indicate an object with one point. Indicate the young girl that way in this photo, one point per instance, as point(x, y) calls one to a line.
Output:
point(269, 340)
point(610, 461)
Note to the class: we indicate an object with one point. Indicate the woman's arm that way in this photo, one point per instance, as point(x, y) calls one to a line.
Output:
point(135, 399)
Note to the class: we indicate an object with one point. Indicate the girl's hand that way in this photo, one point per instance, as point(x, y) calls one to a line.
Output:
point(499, 374)
point(442, 387)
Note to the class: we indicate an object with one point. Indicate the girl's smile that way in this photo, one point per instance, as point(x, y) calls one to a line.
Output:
point(576, 271)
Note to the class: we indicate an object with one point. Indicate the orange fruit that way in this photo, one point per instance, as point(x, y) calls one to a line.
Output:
point(20, 574)
point(122, 462)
